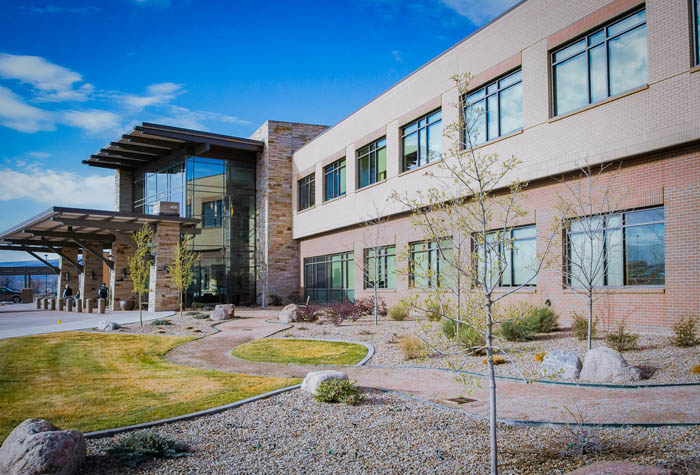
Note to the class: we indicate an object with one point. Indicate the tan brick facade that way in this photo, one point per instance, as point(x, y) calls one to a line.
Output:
point(69, 273)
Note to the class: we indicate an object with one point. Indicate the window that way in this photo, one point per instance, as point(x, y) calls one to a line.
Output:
point(330, 278)
point(380, 267)
point(696, 30)
point(494, 110)
point(619, 249)
point(515, 254)
point(306, 192)
point(605, 63)
point(429, 263)
point(371, 163)
point(212, 214)
point(421, 141)
point(334, 180)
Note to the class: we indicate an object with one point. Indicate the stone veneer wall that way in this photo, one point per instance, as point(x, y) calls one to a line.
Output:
point(120, 284)
point(69, 273)
point(273, 202)
point(123, 190)
point(91, 266)
point(162, 294)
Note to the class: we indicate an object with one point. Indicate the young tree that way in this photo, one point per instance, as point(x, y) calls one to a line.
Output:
point(140, 265)
point(181, 271)
point(375, 271)
point(585, 218)
point(467, 217)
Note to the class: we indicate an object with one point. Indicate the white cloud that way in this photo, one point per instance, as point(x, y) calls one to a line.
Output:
point(17, 115)
point(48, 9)
point(156, 94)
point(189, 119)
point(53, 83)
point(57, 187)
point(40, 155)
point(152, 3)
point(92, 121)
point(397, 55)
point(478, 11)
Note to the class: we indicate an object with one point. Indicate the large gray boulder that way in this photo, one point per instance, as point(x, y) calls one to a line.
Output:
point(314, 379)
point(107, 326)
point(222, 312)
point(38, 447)
point(287, 313)
point(603, 365)
point(561, 363)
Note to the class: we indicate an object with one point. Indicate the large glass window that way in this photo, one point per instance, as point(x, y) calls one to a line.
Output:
point(330, 278)
point(494, 110)
point(212, 213)
point(306, 192)
point(429, 263)
point(696, 30)
point(514, 252)
point(607, 62)
point(620, 249)
point(421, 141)
point(380, 267)
point(334, 180)
point(371, 163)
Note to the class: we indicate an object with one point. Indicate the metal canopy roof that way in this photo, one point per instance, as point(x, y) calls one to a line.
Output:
point(149, 142)
point(87, 229)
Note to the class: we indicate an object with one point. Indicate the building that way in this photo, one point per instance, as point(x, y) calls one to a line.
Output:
point(563, 83)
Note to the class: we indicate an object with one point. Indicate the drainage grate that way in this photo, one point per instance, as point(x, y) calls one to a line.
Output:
point(461, 400)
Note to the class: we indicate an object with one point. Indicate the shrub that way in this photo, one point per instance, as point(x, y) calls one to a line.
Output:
point(580, 326)
point(546, 318)
point(275, 300)
point(138, 447)
point(411, 346)
point(497, 359)
point(365, 306)
point(340, 311)
point(294, 297)
point(307, 313)
point(197, 305)
point(686, 330)
point(522, 328)
point(339, 390)
point(161, 322)
point(468, 337)
point(696, 369)
point(620, 340)
point(539, 357)
point(201, 316)
point(433, 312)
point(398, 312)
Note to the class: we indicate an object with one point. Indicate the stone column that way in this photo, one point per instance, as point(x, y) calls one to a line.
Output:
point(123, 190)
point(120, 285)
point(92, 274)
point(162, 295)
point(69, 273)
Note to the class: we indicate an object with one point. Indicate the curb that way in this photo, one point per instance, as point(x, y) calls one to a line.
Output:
point(206, 412)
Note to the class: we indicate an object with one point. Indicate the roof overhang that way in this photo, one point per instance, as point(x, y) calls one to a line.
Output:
point(149, 142)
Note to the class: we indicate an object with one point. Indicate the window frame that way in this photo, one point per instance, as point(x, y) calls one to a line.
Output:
point(306, 192)
point(485, 98)
point(432, 245)
point(372, 152)
point(335, 168)
point(385, 252)
point(695, 18)
point(511, 259)
point(218, 217)
point(623, 243)
point(347, 264)
point(604, 28)
point(425, 126)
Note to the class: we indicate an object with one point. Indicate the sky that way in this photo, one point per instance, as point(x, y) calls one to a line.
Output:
point(74, 75)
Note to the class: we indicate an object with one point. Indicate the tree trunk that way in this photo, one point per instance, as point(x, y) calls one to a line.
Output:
point(376, 305)
point(140, 311)
point(180, 304)
point(590, 322)
point(492, 391)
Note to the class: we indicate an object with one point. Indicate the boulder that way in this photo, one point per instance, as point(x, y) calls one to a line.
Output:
point(222, 312)
point(38, 447)
point(107, 326)
point(562, 363)
point(287, 313)
point(314, 379)
point(603, 365)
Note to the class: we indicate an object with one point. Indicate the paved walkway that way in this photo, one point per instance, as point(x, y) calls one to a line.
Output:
point(517, 401)
point(25, 319)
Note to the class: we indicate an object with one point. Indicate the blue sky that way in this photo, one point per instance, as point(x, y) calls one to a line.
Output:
point(74, 75)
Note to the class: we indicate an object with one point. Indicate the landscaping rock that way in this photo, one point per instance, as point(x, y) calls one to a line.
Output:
point(620, 468)
point(38, 447)
point(107, 326)
point(287, 313)
point(222, 312)
point(314, 379)
point(563, 363)
point(603, 365)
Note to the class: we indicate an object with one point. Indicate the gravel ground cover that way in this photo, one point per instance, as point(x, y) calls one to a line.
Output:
point(389, 433)
point(187, 325)
point(665, 362)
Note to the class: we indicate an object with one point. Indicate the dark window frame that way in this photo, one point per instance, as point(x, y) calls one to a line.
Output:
point(218, 216)
point(371, 150)
point(432, 245)
point(334, 169)
point(585, 51)
point(623, 243)
point(383, 253)
point(306, 192)
point(695, 9)
point(512, 249)
point(486, 95)
point(421, 161)
point(328, 293)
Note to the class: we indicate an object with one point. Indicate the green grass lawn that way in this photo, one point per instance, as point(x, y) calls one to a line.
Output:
point(91, 381)
point(289, 350)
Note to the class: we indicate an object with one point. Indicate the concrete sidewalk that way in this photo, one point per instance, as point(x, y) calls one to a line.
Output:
point(517, 401)
point(24, 319)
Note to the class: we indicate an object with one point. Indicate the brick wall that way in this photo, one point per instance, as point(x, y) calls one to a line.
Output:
point(273, 202)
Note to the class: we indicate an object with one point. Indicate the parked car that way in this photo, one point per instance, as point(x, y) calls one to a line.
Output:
point(7, 294)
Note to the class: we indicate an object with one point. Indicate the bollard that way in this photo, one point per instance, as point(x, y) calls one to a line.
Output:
point(69, 305)
point(46, 303)
point(100, 305)
point(38, 303)
point(88, 305)
point(60, 303)
point(52, 304)
point(79, 305)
